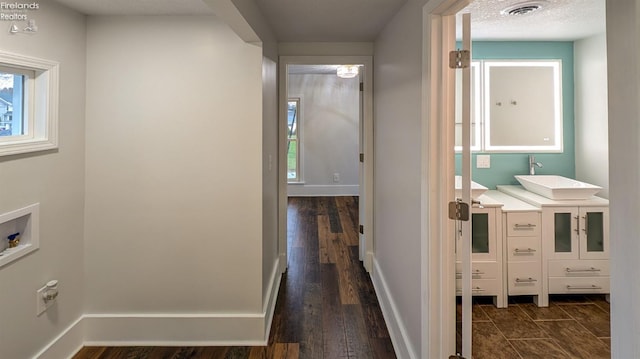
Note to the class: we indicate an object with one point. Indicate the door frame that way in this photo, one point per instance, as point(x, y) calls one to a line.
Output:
point(438, 320)
point(366, 193)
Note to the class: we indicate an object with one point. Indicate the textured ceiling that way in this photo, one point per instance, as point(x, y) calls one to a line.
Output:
point(556, 20)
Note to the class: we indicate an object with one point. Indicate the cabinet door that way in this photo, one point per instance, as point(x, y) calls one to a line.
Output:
point(561, 232)
point(594, 232)
point(483, 235)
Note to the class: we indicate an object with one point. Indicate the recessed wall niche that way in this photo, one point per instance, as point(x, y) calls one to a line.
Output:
point(19, 234)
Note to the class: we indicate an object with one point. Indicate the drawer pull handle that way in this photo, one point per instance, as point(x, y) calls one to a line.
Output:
point(476, 289)
point(573, 287)
point(524, 227)
point(526, 280)
point(475, 272)
point(571, 270)
point(528, 250)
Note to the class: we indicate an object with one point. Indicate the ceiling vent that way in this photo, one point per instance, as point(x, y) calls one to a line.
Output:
point(522, 8)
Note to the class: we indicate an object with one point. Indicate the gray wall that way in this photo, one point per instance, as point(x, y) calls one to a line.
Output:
point(397, 217)
point(56, 180)
point(623, 58)
point(174, 171)
point(269, 174)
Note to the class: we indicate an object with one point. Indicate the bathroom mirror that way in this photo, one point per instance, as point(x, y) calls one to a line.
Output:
point(476, 109)
point(522, 106)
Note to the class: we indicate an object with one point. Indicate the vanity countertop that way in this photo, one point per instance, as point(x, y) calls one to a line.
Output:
point(520, 193)
point(509, 203)
point(489, 201)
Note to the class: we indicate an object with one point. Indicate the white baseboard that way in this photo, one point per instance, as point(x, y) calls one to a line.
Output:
point(65, 345)
point(300, 190)
point(270, 302)
point(395, 325)
point(233, 329)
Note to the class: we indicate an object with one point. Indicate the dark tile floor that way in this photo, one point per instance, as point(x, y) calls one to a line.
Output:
point(571, 327)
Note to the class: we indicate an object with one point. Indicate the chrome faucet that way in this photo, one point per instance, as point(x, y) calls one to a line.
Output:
point(533, 164)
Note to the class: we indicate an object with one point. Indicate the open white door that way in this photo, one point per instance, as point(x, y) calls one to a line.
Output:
point(464, 255)
point(361, 174)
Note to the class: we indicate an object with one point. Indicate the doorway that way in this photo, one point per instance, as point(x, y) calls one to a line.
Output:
point(440, 23)
point(293, 132)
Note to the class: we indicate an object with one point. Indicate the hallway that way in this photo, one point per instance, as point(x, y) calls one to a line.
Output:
point(326, 308)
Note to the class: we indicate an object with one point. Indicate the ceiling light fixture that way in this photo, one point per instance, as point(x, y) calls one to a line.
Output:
point(347, 71)
point(522, 8)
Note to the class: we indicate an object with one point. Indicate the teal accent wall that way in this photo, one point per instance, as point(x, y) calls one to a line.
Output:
point(505, 165)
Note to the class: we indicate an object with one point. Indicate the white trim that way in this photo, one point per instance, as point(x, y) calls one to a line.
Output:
point(397, 330)
point(297, 190)
point(65, 345)
point(437, 255)
point(42, 106)
point(227, 329)
point(367, 192)
point(269, 306)
point(166, 329)
point(29, 235)
point(299, 140)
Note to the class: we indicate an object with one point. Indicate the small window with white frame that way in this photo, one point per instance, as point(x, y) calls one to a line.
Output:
point(293, 140)
point(28, 104)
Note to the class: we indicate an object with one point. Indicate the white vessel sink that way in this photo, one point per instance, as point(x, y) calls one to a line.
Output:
point(558, 187)
point(476, 188)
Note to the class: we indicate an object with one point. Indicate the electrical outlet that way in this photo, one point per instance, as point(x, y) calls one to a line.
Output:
point(336, 177)
point(483, 161)
point(42, 303)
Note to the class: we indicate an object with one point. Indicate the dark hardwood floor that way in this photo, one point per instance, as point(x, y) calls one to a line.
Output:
point(326, 308)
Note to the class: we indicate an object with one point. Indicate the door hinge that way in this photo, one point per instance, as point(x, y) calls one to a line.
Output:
point(362, 157)
point(362, 86)
point(361, 229)
point(459, 211)
point(459, 59)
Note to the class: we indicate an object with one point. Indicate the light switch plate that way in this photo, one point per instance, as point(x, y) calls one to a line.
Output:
point(483, 161)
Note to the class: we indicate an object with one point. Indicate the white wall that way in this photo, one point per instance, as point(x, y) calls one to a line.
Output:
point(329, 125)
point(397, 92)
point(591, 120)
point(623, 57)
point(174, 178)
point(56, 180)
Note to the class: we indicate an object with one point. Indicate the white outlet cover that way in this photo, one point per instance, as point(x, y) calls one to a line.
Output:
point(41, 304)
point(483, 161)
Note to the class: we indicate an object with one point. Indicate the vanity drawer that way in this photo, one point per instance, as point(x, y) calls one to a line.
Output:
point(579, 285)
point(579, 268)
point(524, 278)
point(480, 287)
point(525, 224)
point(523, 249)
point(481, 270)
